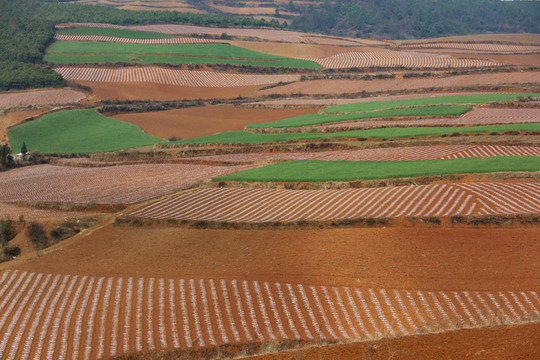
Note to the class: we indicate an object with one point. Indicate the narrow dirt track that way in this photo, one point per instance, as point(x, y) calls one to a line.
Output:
point(271, 205)
point(47, 316)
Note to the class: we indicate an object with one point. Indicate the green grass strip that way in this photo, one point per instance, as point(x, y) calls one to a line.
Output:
point(243, 137)
point(213, 50)
point(439, 100)
point(316, 119)
point(164, 59)
point(78, 131)
point(130, 34)
point(320, 170)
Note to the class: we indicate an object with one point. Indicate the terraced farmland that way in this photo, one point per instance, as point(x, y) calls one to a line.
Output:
point(396, 59)
point(41, 97)
point(268, 205)
point(113, 39)
point(160, 75)
point(85, 317)
point(107, 185)
point(476, 47)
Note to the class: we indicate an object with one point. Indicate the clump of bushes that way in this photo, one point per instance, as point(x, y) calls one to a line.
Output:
point(37, 235)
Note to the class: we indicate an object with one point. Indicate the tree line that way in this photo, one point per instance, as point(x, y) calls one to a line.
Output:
point(27, 28)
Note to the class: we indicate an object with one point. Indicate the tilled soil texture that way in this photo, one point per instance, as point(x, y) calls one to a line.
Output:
point(107, 185)
point(529, 39)
point(145, 314)
point(384, 154)
point(264, 34)
point(165, 76)
point(491, 343)
point(151, 5)
point(200, 121)
point(241, 205)
point(152, 91)
point(475, 47)
point(511, 59)
point(177, 40)
point(355, 86)
point(422, 258)
point(40, 97)
point(13, 211)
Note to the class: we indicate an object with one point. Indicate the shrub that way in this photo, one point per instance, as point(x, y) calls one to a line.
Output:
point(38, 236)
point(12, 251)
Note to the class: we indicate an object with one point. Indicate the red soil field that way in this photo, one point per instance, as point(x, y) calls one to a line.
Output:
point(40, 97)
point(396, 59)
point(200, 121)
point(12, 211)
point(384, 154)
point(152, 91)
point(107, 185)
point(65, 316)
point(64, 37)
point(249, 205)
point(352, 86)
point(154, 74)
point(533, 60)
point(151, 5)
point(474, 47)
point(491, 343)
point(15, 117)
point(530, 39)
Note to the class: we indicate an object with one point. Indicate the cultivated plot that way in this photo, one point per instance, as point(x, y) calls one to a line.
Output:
point(115, 39)
point(278, 205)
point(47, 316)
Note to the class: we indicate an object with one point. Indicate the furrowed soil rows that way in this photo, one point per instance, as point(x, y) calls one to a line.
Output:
point(272, 35)
point(396, 59)
point(478, 47)
point(46, 316)
point(107, 185)
point(14, 211)
point(40, 97)
point(152, 74)
point(383, 154)
point(270, 205)
point(356, 86)
point(65, 37)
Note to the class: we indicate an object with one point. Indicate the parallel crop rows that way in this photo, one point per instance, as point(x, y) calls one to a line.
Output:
point(270, 205)
point(107, 185)
point(485, 47)
point(396, 59)
point(115, 39)
point(153, 74)
point(45, 316)
point(392, 154)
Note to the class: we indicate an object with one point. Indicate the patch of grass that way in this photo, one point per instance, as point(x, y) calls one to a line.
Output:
point(243, 137)
point(439, 100)
point(316, 119)
point(319, 170)
point(131, 34)
point(78, 131)
point(164, 59)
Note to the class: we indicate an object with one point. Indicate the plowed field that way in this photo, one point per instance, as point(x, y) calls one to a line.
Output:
point(391, 154)
point(268, 205)
point(166, 76)
point(397, 59)
point(46, 316)
point(40, 97)
point(109, 185)
point(66, 37)
point(11, 211)
point(475, 47)
point(356, 86)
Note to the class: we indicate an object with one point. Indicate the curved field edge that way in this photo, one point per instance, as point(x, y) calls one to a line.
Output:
point(101, 31)
point(318, 119)
point(342, 170)
point(243, 137)
point(78, 131)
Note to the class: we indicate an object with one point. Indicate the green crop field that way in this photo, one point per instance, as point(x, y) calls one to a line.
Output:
point(78, 131)
point(316, 119)
point(243, 137)
point(164, 59)
point(439, 100)
point(131, 34)
point(212, 50)
point(319, 170)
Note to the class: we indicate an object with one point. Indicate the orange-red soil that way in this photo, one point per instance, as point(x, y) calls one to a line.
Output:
point(353, 86)
point(511, 38)
point(200, 121)
point(491, 343)
point(532, 59)
point(13, 211)
point(13, 118)
point(149, 91)
point(40, 97)
point(400, 258)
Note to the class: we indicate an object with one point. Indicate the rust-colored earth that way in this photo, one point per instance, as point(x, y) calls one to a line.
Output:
point(149, 91)
point(397, 257)
point(491, 343)
point(533, 39)
point(529, 59)
point(200, 121)
point(14, 117)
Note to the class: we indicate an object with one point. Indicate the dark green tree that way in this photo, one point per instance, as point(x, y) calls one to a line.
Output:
point(24, 150)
